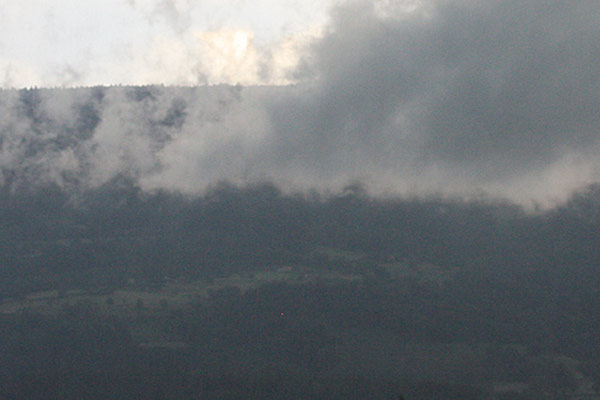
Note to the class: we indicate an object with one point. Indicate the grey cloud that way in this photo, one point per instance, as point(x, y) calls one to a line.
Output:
point(489, 91)
point(499, 96)
point(524, 83)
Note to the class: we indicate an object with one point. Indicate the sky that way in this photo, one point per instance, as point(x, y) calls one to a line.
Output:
point(460, 97)
point(173, 42)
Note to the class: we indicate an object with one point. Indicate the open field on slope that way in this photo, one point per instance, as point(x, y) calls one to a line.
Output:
point(172, 293)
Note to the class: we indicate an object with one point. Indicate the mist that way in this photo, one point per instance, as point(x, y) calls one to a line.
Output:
point(452, 98)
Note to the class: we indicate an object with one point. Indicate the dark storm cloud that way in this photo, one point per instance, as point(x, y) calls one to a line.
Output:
point(524, 82)
point(495, 87)
point(450, 96)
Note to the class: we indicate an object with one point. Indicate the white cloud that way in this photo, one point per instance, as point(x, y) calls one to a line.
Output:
point(71, 43)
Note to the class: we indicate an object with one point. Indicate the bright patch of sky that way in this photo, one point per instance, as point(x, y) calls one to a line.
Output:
point(187, 42)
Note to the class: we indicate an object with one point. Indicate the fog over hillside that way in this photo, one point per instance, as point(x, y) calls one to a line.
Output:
point(462, 98)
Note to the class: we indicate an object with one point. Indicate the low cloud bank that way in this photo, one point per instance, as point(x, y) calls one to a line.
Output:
point(451, 97)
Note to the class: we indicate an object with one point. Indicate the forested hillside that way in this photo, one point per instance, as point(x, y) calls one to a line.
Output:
point(250, 290)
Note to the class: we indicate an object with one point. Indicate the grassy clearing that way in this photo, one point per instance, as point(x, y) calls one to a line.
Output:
point(173, 294)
